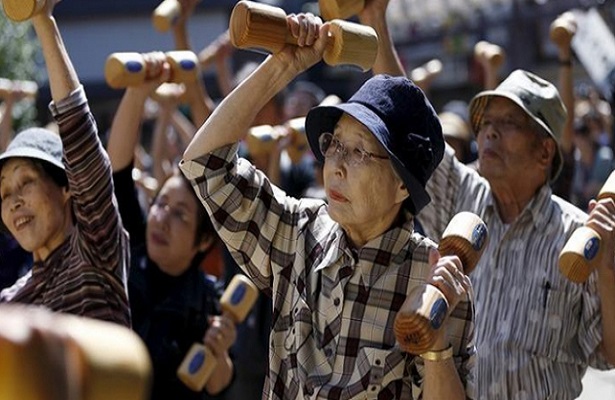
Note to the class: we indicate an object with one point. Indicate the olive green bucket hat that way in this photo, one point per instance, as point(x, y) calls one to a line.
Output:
point(538, 98)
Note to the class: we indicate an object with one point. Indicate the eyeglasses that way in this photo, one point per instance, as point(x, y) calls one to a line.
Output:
point(176, 214)
point(331, 147)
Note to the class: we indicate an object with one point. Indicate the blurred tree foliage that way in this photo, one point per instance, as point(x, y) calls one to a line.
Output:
point(19, 52)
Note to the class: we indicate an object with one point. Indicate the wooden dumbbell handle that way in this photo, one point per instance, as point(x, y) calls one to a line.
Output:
point(426, 308)
point(256, 25)
point(576, 261)
point(165, 15)
point(130, 69)
point(200, 362)
point(21, 10)
point(489, 53)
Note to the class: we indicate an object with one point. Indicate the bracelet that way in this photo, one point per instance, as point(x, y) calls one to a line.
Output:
point(565, 63)
point(441, 355)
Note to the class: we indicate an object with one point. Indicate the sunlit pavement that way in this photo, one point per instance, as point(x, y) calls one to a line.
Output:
point(598, 385)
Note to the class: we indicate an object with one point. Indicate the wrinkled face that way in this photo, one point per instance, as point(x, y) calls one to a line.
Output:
point(171, 227)
point(509, 148)
point(34, 208)
point(361, 196)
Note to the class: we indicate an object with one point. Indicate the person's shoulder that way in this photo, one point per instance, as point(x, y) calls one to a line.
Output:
point(567, 210)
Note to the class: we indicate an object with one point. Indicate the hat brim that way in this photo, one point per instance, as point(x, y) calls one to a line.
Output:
point(477, 109)
point(324, 118)
point(26, 152)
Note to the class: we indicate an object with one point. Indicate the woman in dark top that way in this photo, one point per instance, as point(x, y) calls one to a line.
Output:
point(173, 304)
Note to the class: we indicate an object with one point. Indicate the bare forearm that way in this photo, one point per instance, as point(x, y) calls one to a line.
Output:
point(387, 59)
point(125, 129)
point(6, 123)
point(221, 377)
point(442, 381)
point(230, 121)
point(62, 76)
point(606, 290)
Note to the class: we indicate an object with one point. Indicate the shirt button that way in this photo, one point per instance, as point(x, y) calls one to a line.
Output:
point(336, 302)
point(378, 362)
point(308, 390)
point(373, 388)
point(328, 352)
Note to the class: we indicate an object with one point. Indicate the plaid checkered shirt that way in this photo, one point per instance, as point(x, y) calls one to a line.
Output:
point(333, 306)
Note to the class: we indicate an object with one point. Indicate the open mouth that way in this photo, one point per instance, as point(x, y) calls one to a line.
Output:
point(21, 222)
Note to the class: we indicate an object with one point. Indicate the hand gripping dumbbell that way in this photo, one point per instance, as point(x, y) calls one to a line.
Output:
point(576, 261)
point(130, 69)
point(426, 308)
point(260, 26)
point(198, 365)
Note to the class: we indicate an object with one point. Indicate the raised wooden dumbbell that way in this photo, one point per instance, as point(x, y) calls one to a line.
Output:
point(576, 261)
point(426, 308)
point(21, 10)
point(28, 89)
point(298, 140)
point(200, 362)
point(489, 53)
point(260, 26)
point(130, 69)
point(339, 9)
point(563, 29)
point(424, 75)
point(166, 14)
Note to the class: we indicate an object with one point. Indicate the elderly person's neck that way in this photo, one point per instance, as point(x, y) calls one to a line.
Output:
point(512, 196)
point(358, 235)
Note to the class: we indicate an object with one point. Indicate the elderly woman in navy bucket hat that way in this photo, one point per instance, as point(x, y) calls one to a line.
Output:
point(57, 201)
point(338, 271)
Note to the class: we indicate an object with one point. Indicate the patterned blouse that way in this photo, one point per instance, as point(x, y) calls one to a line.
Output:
point(333, 306)
point(87, 274)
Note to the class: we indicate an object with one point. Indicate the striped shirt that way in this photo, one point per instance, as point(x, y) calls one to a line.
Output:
point(86, 274)
point(333, 306)
point(536, 331)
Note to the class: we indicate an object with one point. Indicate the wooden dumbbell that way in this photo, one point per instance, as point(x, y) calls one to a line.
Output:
point(563, 29)
point(489, 53)
point(29, 89)
point(339, 9)
point(45, 355)
point(21, 10)
point(425, 309)
point(130, 69)
point(260, 26)
point(200, 362)
point(576, 261)
point(166, 14)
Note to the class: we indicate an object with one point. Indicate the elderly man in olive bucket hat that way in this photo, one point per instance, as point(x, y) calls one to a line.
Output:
point(537, 331)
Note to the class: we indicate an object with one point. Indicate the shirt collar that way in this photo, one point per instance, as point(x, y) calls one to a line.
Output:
point(538, 207)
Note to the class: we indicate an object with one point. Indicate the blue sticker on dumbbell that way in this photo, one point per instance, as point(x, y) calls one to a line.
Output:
point(238, 294)
point(479, 234)
point(591, 248)
point(134, 66)
point(197, 362)
point(187, 65)
point(438, 313)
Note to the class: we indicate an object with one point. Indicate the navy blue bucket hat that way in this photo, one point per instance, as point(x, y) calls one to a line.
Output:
point(401, 118)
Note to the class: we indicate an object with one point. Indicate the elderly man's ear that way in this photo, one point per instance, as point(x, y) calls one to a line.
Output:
point(547, 153)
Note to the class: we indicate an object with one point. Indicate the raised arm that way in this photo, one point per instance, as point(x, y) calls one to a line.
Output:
point(126, 125)
point(201, 105)
point(230, 121)
point(387, 59)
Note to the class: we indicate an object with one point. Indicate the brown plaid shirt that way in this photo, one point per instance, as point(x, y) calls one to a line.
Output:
point(333, 306)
